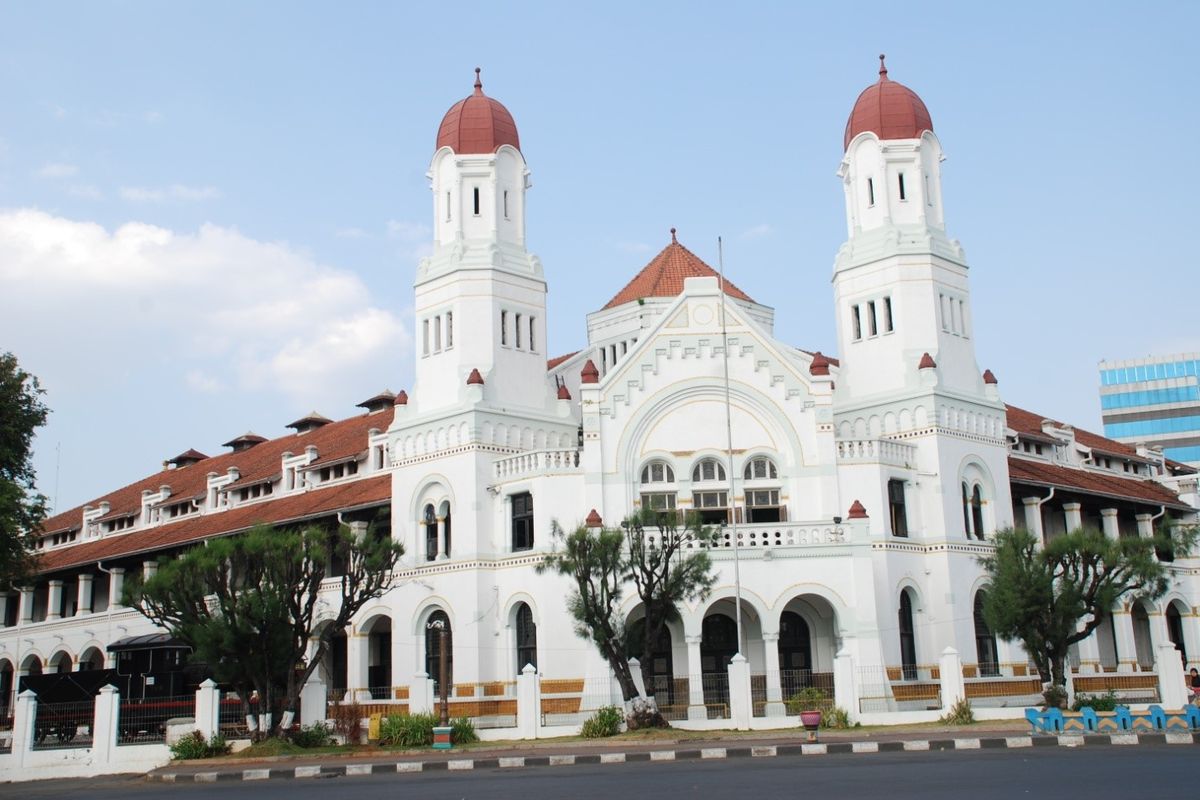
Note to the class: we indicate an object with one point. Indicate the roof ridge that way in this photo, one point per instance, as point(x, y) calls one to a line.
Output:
point(649, 281)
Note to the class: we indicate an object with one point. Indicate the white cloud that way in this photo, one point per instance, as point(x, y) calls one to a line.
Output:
point(176, 191)
point(57, 170)
point(222, 310)
point(757, 231)
point(85, 191)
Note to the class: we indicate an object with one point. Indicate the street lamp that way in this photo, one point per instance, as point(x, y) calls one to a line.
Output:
point(440, 626)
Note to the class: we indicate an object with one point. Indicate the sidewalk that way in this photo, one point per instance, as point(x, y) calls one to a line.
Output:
point(767, 744)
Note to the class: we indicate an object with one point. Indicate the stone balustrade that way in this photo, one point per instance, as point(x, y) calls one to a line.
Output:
point(536, 462)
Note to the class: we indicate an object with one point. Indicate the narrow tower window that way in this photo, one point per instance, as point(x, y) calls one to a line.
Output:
point(504, 328)
point(437, 334)
point(449, 329)
point(902, 197)
point(532, 323)
point(870, 192)
point(476, 201)
point(856, 318)
point(962, 316)
point(887, 315)
point(425, 337)
point(517, 320)
point(928, 196)
point(506, 203)
point(447, 206)
point(872, 328)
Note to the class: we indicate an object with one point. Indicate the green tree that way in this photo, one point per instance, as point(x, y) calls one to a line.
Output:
point(248, 605)
point(663, 555)
point(22, 508)
point(1051, 597)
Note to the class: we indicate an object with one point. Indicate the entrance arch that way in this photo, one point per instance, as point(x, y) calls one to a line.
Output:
point(378, 632)
point(1175, 630)
point(437, 625)
point(908, 636)
point(986, 653)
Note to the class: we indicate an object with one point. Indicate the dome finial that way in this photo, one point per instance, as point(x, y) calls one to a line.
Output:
point(478, 83)
point(673, 239)
point(882, 68)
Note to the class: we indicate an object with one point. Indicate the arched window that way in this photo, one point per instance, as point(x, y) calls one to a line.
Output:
point(718, 643)
point(760, 468)
point(446, 527)
point(966, 506)
point(436, 627)
point(908, 637)
point(429, 522)
point(977, 511)
point(526, 638)
point(708, 469)
point(762, 501)
point(985, 641)
point(7, 687)
point(1175, 631)
point(658, 486)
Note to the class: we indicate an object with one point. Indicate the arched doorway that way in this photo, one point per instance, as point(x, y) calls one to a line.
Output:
point(92, 659)
point(986, 652)
point(7, 687)
point(908, 637)
point(436, 627)
point(1106, 642)
point(60, 662)
point(662, 663)
point(379, 657)
point(1175, 630)
point(718, 646)
point(526, 633)
point(1142, 642)
point(795, 643)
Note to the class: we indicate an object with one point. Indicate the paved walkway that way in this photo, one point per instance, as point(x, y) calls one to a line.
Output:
point(767, 744)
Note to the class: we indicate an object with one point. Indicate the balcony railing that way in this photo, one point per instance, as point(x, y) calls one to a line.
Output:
point(877, 451)
point(536, 462)
point(764, 535)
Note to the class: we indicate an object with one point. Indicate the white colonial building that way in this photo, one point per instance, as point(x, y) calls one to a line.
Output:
point(863, 488)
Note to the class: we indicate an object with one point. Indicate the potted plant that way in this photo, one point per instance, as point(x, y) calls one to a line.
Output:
point(809, 702)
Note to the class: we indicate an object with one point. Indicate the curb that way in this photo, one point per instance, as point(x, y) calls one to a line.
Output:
point(697, 754)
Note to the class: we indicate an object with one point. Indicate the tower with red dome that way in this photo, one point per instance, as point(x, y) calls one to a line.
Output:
point(480, 297)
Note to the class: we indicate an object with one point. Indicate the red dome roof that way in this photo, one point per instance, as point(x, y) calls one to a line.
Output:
point(477, 124)
point(888, 109)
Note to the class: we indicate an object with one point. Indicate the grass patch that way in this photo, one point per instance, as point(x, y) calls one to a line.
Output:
point(282, 747)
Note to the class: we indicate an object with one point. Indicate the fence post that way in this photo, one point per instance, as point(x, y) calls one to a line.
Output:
point(953, 686)
point(529, 703)
point(24, 716)
point(1172, 689)
point(420, 694)
point(312, 700)
point(105, 719)
point(208, 709)
point(741, 708)
point(845, 690)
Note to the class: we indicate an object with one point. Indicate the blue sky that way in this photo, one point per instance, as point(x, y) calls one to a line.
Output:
point(211, 213)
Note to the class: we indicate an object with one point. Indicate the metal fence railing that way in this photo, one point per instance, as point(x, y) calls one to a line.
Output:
point(797, 683)
point(715, 686)
point(912, 687)
point(231, 717)
point(574, 702)
point(6, 731)
point(671, 695)
point(145, 721)
point(1128, 687)
point(487, 705)
point(62, 725)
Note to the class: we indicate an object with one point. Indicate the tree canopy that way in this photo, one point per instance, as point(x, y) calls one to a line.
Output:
point(22, 508)
point(249, 605)
point(1050, 597)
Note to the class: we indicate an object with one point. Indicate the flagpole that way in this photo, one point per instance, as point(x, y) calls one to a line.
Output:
point(729, 503)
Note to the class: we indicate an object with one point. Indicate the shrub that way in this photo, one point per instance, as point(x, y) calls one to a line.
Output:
point(463, 731)
point(810, 698)
point(605, 722)
point(193, 746)
point(960, 713)
point(1102, 702)
point(1055, 697)
point(835, 718)
point(315, 735)
point(347, 720)
point(412, 730)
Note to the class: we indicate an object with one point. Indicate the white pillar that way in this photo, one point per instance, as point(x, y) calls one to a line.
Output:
point(358, 654)
point(1172, 686)
point(1145, 525)
point(1089, 653)
point(208, 709)
point(1074, 512)
point(116, 586)
point(104, 725)
point(149, 569)
point(1108, 523)
point(24, 715)
point(953, 686)
point(529, 703)
point(420, 694)
point(775, 707)
point(54, 600)
point(696, 709)
point(741, 708)
point(845, 691)
point(26, 605)
point(441, 528)
point(1122, 622)
point(1033, 516)
point(312, 700)
point(83, 603)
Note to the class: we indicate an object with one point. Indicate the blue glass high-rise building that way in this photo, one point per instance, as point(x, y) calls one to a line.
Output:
point(1155, 401)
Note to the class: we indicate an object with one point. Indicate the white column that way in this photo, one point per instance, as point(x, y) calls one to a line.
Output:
point(420, 694)
point(1033, 516)
point(1074, 515)
point(529, 703)
point(1108, 523)
point(116, 585)
point(951, 674)
point(441, 528)
point(1145, 525)
point(1172, 686)
point(696, 709)
point(149, 569)
point(208, 708)
point(83, 604)
point(741, 708)
point(1191, 637)
point(26, 605)
point(24, 714)
point(357, 661)
point(312, 700)
point(845, 691)
point(1122, 622)
point(54, 600)
point(1089, 653)
point(104, 725)
point(775, 707)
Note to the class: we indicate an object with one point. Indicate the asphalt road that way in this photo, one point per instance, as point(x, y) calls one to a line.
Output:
point(1087, 772)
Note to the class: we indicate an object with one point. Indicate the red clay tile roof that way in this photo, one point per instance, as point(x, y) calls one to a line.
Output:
point(1023, 470)
point(187, 456)
point(1023, 421)
point(835, 362)
point(336, 439)
point(989, 377)
point(475, 379)
point(857, 511)
point(664, 276)
point(294, 508)
point(927, 362)
point(477, 124)
point(554, 362)
point(888, 109)
point(819, 365)
point(589, 373)
point(401, 399)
